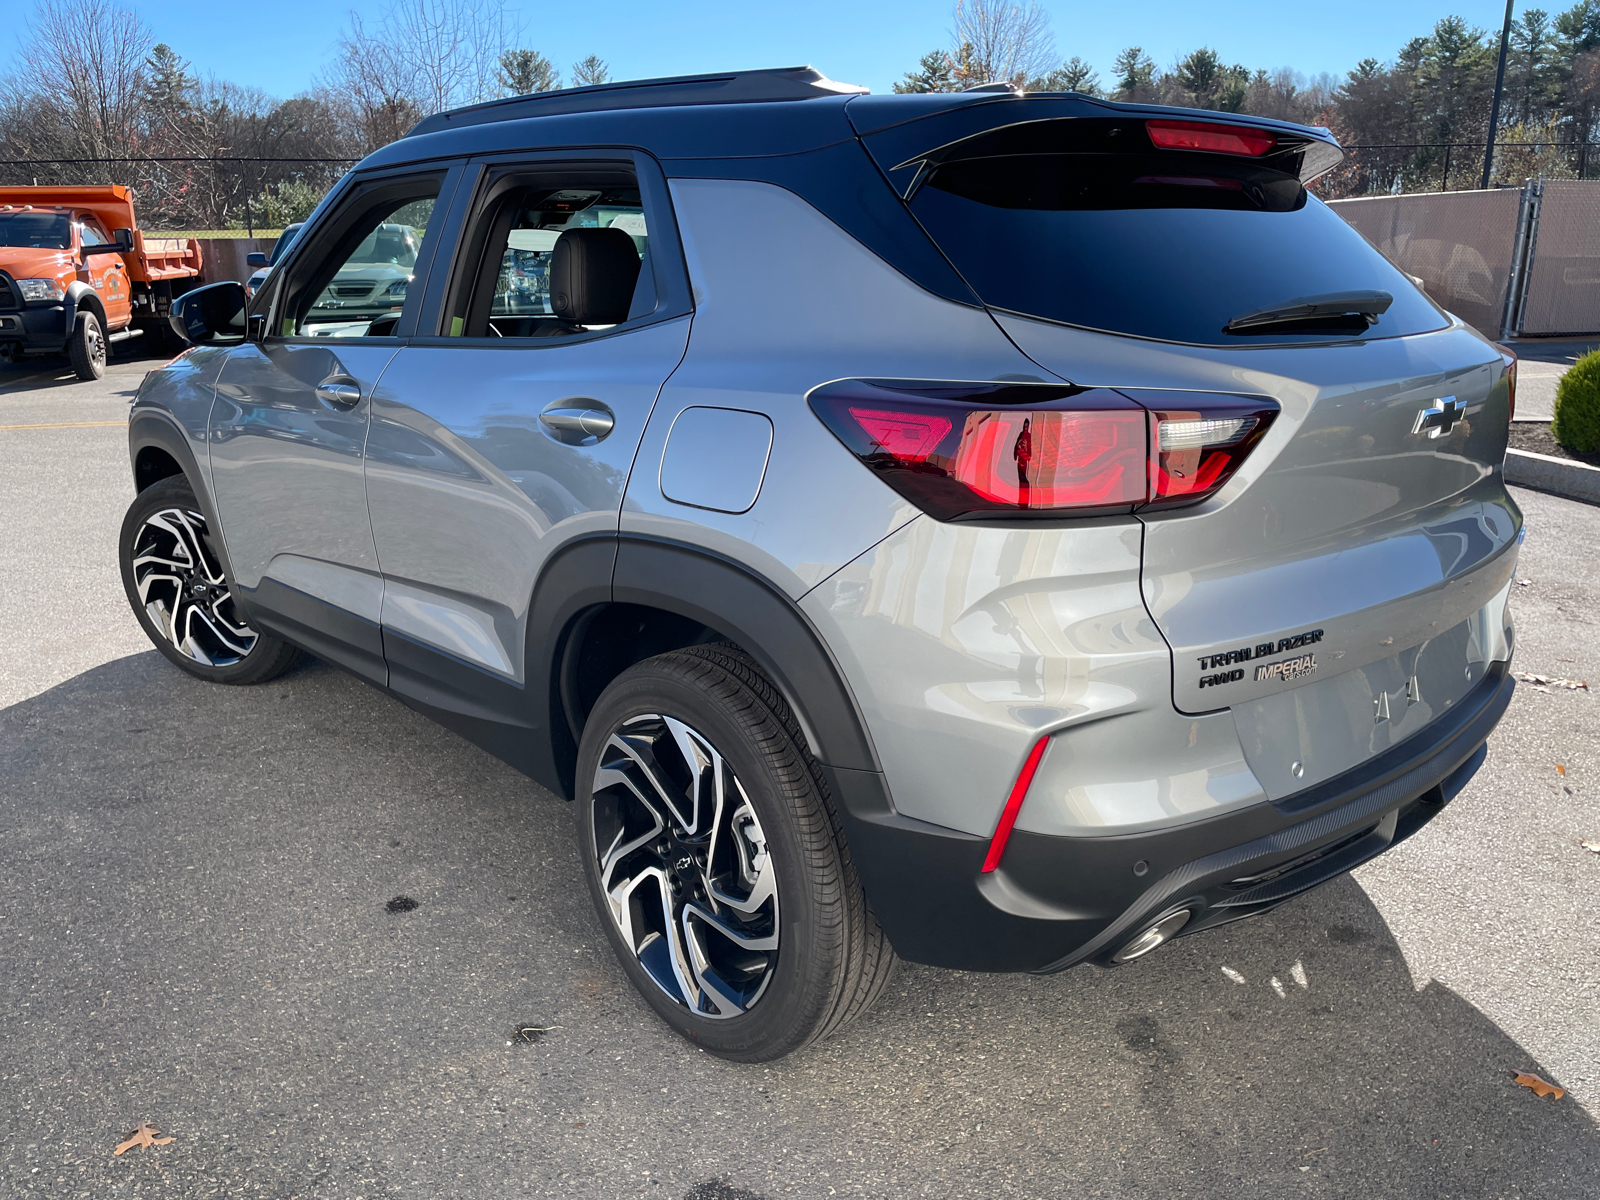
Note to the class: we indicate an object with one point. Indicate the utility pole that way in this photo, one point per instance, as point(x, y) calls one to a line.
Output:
point(1499, 88)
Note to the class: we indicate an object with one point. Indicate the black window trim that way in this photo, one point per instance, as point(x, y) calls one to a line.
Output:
point(674, 297)
point(314, 238)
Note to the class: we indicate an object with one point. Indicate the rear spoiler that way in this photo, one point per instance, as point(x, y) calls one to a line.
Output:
point(908, 140)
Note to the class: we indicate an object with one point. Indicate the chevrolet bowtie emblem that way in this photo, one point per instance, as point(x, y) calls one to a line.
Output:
point(1441, 418)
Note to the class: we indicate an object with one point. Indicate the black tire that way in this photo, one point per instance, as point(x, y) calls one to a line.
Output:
point(174, 581)
point(831, 960)
point(86, 347)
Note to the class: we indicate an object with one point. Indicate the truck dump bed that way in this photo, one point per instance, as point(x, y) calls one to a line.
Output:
point(152, 259)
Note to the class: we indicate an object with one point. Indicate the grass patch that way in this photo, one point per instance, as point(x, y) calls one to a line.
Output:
point(212, 233)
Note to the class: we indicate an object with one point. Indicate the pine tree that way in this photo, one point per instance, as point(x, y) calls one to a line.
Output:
point(1136, 73)
point(170, 90)
point(524, 72)
point(934, 73)
point(590, 71)
point(1074, 75)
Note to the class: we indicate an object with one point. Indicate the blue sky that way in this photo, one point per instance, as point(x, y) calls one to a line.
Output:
point(280, 46)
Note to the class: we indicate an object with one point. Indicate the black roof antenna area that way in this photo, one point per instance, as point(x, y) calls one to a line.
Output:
point(728, 87)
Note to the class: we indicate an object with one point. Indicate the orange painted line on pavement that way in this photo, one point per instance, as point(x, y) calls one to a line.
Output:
point(66, 425)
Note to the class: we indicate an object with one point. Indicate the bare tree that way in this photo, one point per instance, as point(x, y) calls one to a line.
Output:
point(82, 95)
point(1002, 42)
point(421, 57)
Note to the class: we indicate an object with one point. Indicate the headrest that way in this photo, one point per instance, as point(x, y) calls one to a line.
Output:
point(592, 276)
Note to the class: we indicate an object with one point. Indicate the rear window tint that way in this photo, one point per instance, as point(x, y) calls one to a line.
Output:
point(1085, 222)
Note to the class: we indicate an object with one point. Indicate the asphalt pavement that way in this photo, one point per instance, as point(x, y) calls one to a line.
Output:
point(194, 932)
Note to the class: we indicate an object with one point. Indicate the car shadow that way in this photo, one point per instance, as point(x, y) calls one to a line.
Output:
point(47, 373)
point(197, 887)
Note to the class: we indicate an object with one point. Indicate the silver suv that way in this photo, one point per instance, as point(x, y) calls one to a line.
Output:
point(1001, 532)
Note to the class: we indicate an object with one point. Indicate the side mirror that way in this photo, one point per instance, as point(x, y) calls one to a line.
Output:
point(256, 258)
point(210, 315)
point(123, 245)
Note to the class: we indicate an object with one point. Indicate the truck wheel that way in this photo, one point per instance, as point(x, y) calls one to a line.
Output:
point(715, 859)
point(87, 347)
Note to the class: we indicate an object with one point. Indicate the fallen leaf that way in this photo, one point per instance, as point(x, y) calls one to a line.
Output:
point(1539, 1086)
point(1591, 847)
point(1552, 681)
point(529, 1034)
point(1560, 770)
point(144, 1137)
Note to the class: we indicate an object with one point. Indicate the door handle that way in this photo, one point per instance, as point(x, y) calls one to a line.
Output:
point(578, 421)
point(339, 391)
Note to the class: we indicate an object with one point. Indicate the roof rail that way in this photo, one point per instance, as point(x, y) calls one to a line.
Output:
point(728, 87)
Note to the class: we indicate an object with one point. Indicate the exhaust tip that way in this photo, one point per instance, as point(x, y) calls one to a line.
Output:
point(1153, 936)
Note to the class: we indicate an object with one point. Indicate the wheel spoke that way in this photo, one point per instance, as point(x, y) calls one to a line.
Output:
point(684, 865)
point(663, 794)
point(182, 587)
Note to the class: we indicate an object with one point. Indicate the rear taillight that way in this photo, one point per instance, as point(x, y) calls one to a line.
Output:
point(974, 450)
point(1511, 383)
point(1215, 139)
point(1194, 451)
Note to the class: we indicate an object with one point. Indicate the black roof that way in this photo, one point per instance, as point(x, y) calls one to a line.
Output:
point(762, 115)
point(729, 87)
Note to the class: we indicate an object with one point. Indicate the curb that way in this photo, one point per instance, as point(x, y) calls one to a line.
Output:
point(1561, 476)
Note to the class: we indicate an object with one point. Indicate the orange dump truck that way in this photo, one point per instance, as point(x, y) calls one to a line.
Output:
point(77, 276)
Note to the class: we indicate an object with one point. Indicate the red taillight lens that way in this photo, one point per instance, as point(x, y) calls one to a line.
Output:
point(1040, 458)
point(978, 449)
point(1002, 449)
point(1214, 139)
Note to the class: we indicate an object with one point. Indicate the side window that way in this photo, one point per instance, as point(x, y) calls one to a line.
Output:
point(93, 234)
point(355, 278)
point(554, 255)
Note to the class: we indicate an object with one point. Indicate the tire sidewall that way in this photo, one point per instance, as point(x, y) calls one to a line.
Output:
point(84, 363)
point(782, 1019)
point(176, 493)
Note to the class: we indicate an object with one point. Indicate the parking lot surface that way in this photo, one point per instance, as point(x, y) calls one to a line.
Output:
point(194, 933)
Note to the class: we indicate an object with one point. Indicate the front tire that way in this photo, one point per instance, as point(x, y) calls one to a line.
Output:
point(715, 859)
point(174, 580)
point(86, 347)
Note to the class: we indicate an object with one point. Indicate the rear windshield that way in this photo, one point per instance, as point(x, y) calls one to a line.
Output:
point(1085, 222)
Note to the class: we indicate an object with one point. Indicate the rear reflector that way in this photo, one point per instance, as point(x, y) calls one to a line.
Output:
point(1008, 815)
point(970, 450)
point(1214, 139)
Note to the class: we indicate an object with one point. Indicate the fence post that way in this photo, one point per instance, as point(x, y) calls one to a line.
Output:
point(1522, 251)
point(1445, 186)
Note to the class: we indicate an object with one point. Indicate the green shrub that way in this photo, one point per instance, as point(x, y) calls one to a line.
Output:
point(1577, 423)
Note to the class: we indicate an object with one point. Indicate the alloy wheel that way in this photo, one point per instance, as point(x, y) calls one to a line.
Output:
point(684, 866)
point(184, 591)
point(96, 343)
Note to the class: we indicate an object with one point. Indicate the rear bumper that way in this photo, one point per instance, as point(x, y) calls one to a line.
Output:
point(1057, 901)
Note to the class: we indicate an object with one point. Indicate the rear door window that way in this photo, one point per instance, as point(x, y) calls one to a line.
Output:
point(556, 252)
point(1088, 223)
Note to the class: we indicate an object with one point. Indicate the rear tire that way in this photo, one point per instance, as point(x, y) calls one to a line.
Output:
point(86, 347)
point(174, 580)
point(739, 918)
